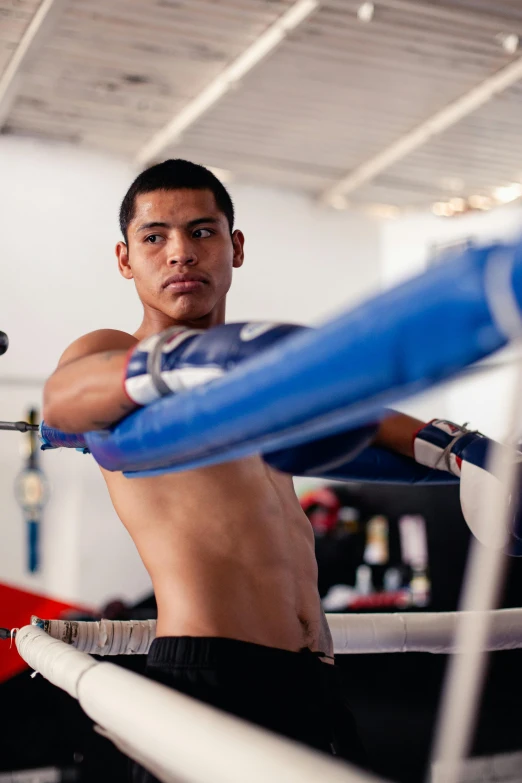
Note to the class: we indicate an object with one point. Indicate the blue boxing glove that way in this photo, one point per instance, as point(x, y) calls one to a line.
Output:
point(379, 465)
point(443, 445)
point(179, 359)
point(51, 438)
point(329, 457)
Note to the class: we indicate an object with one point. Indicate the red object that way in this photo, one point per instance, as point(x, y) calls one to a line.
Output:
point(16, 608)
point(398, 599)
point(416, 433)
point(321, 506)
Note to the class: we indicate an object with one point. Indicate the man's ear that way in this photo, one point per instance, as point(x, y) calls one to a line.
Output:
point(122, 254)
point(238, 242)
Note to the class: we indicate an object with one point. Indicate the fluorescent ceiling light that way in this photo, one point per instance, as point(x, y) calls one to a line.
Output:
point(365, 12)
point(508, 193)
point(458, 204)
point(509, 42)
point(383, 211)
point(443, 209)
point(479, 201)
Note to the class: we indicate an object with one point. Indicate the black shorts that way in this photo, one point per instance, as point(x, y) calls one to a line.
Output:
point(291, 693)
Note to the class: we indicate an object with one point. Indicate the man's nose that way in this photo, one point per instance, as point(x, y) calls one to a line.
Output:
point(181, 252)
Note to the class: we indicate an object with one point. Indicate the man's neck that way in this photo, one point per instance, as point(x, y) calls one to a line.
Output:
point(154, 322)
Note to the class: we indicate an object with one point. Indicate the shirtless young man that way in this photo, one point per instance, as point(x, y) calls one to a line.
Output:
point(228, 548)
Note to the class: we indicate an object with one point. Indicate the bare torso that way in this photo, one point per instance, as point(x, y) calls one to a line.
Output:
point(230, 554)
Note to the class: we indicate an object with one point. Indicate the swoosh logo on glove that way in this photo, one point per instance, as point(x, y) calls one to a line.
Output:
point(251, 331)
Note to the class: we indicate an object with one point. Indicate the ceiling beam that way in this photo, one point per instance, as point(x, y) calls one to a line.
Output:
point(438, 123)
point(40, 26)
point(272, 37)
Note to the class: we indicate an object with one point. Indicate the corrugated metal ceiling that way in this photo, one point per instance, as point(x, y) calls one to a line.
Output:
point(334, 94)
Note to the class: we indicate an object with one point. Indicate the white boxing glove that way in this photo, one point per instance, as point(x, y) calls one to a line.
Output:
point(443, 445)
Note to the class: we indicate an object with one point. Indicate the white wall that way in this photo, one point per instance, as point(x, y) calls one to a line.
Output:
point(58, 213)
point(303, 262)
point(408, 242)
point(407, 245)
point(59, 210)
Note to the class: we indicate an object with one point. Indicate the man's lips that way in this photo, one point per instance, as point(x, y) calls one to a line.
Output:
point(184, 284)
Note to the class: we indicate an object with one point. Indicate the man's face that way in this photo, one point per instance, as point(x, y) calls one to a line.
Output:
point(180, 254)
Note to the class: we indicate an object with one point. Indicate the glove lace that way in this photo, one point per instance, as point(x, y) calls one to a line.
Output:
point(445, 457)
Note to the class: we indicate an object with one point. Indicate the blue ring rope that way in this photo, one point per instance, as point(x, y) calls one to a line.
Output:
point(322, 381)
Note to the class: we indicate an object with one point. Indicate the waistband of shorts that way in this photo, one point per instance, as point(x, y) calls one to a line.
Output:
point(204, 651)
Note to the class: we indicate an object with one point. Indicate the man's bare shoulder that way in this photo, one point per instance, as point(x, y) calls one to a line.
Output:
point(98, 341)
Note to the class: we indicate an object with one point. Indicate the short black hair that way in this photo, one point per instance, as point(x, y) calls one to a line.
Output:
point(171, 175)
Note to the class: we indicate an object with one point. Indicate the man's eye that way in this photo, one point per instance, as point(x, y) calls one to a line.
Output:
point(202, 233)
point(153, 239)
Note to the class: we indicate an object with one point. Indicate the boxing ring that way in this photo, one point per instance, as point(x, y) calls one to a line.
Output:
point(311, 386)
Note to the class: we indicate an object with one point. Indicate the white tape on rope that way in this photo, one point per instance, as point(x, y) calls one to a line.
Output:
point(103, 637)
point(432, 632)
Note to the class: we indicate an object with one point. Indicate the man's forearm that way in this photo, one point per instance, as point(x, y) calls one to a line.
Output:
point(397, 432)
point(87, 393)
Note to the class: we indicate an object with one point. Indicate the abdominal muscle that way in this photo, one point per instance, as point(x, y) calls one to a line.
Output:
point(230, 554)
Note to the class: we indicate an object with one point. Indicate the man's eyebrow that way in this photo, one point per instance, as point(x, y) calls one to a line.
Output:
point(189, 224)
point(153, 224)
point(198, 221)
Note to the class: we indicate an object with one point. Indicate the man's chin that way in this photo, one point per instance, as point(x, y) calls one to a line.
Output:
point(190, 313)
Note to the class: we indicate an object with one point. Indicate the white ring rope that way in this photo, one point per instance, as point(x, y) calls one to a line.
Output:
point(430, 632)
point(434, 632)
point(176, 737)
